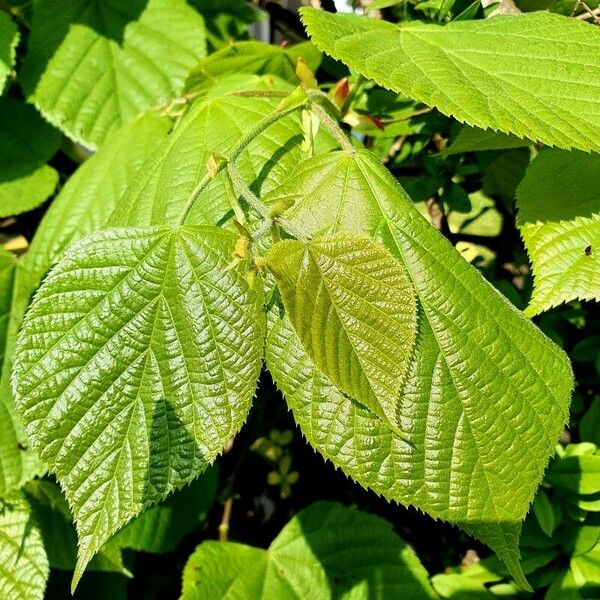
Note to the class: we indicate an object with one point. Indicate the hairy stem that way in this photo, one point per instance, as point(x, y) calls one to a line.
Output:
point(333, 127)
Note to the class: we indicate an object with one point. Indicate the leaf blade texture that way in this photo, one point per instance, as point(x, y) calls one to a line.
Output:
point(483, 410)
point(558, 205)
point(353, 306)
point(520, 74)
point(137, 340)
point(305, 561)
point(94, 66)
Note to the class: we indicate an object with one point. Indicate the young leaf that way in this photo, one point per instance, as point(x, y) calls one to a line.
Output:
point(26, 143)
point(559, 218)
point(94, 66)
point(326, 551)
point(532, 75)
point(9, 38)
point(24, 562)
point(482, 408)
point(138, 361)
point(353, 307)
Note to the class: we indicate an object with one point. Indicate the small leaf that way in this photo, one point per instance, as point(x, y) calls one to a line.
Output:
point(544, 513)
point(93, 66)
point(9, 38)
point(531, 75)
point(26, 143)
point(353, 307)
point(306, 561)
point(473, 139)
point(138, 361)
point(559, 218)
point(24, 562)
point(8, 267)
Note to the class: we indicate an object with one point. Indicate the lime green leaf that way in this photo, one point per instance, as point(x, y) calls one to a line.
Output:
point(559, 219)
point(532, 75)
point(162, 527)
point(305, 561)
point(256, 58)
point(138, 361)
point(353, 307)
point(579, 474)
point(455, 586)
point(94, 66)
point(26, 143)
point(24, 569)
point(473, 139)
point(211, 127)
point(91, 193)
point(483, 410)
point(9, 38)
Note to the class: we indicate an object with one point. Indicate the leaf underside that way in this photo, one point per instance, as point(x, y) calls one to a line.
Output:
point(509, 73)
point(138, 361)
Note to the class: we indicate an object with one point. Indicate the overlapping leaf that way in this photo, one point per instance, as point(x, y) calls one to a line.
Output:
point(326, 551)
point(558, 205)
point(138, 360)
point(26, 143)
point(532, 75)
point(8, 266)
point(24, 564)
point(353, 307)
point(9, 38)
point(481, 409)
point(94, 66)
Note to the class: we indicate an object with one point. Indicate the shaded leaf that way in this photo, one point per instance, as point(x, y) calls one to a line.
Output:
point(320, 554)
point(9, 38)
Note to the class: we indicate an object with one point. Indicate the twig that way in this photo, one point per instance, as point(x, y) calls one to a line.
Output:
point(224, 525)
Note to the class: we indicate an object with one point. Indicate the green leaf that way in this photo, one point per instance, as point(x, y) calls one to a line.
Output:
point(544, 513)
point(26, 143)
point(53, 518)
point(530, 75)
point(8, 267)
point(579, 474)
point(91, 194)
point(482, 408)
point(353, 307)
point(138, 360)
point(226, 20)
point(473, 139)
point(24, 563)
point(589, 426)
point(162, 527)
point(255, 58)
point(9, 39)
point(326, 551)
point(211, 127)
point(94, 66)
point(559, 219)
